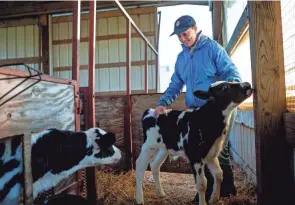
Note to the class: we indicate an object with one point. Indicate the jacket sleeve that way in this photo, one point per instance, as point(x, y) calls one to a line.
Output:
point(174, 89)
point(225, 67)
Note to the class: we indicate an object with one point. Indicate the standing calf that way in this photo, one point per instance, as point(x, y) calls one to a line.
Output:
point(197, 135)
point(55, 155)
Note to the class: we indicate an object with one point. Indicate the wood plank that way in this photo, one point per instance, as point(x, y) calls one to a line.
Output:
point(12, 72)
point(18, 22)
point(105, 65)
point(217, 21)
point(30, 60)
point(26, 111)
point(109, 114)
point(122, 93)
point(268, 76)
point(103, 37)
point(47, 7)
point(107, 14)
point(28, 178)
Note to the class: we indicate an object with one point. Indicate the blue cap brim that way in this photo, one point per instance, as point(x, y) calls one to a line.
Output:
point(180, 30)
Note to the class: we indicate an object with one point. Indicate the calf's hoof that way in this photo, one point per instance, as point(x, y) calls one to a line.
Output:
point(213, 201)
point(161, 193)
point(139, 202)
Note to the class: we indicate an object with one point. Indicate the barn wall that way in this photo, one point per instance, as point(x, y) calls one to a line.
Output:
point(242, 139)
point(19, 42)
point(288, 25)
point(110, 54)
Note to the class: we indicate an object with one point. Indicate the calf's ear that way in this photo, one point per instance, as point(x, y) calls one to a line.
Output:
point(106, 140)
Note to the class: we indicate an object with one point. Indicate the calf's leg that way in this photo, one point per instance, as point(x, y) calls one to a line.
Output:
point(201, 182)
point(217, 174)
point(142, 162)
point(155, 167)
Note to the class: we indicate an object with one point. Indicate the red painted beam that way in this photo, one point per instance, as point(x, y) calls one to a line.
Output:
point(127, 110)
point(146, 66)
point(128, 56)
point(91, 70)
point(75, 58)
point(91, 172)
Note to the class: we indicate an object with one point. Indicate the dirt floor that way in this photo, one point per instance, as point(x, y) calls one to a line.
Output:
point(180, 189)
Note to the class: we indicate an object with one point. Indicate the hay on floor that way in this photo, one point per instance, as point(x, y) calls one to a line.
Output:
point(180, 189)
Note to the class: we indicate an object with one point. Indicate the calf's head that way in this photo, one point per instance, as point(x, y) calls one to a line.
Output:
point(102, 145)
point(227, 95)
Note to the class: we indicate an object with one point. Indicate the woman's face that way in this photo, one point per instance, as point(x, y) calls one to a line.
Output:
point(188, 37)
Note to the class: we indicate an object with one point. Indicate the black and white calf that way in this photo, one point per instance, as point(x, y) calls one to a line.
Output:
point(55, 155)
point(197, 135)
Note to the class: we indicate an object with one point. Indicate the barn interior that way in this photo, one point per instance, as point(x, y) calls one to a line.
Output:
point(66, 66)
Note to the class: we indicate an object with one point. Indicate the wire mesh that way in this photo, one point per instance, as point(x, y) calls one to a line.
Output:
point(288, 25)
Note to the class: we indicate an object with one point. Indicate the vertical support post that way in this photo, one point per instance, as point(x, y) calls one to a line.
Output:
point(272, 158)
point(128, 56)
point(158, 28)
point(127, 110)
point(146, 66)
point(217, 21)
point(75, 58)
point(91, 172)
point(28, 178)
point(91, 70)
point(44, 28)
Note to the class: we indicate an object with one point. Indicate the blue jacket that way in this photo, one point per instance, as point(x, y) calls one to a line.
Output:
point(205, 64)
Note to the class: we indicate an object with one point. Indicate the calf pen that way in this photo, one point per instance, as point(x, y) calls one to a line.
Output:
point(31, 102)
point(119, 188)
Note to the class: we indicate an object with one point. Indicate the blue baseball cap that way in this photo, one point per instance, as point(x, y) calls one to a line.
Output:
point(182, 24)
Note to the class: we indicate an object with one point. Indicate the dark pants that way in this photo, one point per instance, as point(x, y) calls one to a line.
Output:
point(227, 185)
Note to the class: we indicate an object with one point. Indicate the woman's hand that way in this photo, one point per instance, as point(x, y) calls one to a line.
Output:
point(159, 110)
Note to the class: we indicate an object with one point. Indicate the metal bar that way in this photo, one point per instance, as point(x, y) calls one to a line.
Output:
point(157, 72)
point(91, 70)
point(75, 59)
point(127, 106)
point(135, 26)
point(146, 66)
point(91, 172)
point(76, 40)
point(128, 56)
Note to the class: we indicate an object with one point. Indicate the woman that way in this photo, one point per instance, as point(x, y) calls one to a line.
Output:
point(201, 62)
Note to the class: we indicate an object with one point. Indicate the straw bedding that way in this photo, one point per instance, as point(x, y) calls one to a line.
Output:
point(119, 189)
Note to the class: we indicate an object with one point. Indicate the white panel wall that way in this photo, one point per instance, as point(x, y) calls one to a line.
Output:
point(19, 42)
point(109, 75)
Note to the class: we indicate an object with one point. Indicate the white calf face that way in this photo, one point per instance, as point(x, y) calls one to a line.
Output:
point(104, 150)
point(226, 93)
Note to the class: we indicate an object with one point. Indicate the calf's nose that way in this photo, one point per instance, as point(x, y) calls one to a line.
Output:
point(246, 85)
